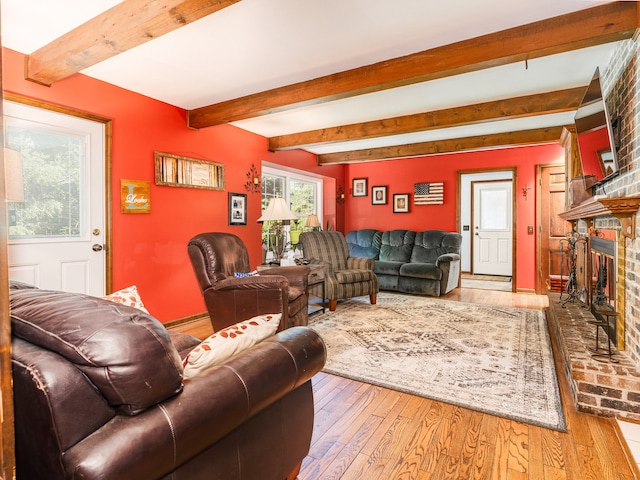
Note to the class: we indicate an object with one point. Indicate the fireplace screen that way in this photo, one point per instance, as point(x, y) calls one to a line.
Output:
point(603, 278)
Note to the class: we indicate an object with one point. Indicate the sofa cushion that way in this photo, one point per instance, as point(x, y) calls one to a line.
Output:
point(421, 270)
point(229, 342)
point(387, 268)
point(396, 245)
point(431, 244)
point(127, 296)
point(354, 276)
point(329, 248)
point(364, 243)
point(126, 353)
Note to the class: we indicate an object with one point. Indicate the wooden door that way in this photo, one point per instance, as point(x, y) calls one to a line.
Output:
point(552, 274)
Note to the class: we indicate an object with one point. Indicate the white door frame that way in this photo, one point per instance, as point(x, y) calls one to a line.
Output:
point(107, 124)
point(492, 247)
point(464, 179)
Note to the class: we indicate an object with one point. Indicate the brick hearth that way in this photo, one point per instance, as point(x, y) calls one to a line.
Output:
point(599, 388)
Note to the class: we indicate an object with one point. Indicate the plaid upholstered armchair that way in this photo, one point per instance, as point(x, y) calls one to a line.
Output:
point(346, 276)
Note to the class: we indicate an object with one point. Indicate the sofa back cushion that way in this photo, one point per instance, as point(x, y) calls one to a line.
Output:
point(430, 244)
point(328, 247)
point(396, 245)
point(364, 243)
point(126, 353)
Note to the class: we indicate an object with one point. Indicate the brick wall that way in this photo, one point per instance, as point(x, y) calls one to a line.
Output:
point(621, 90)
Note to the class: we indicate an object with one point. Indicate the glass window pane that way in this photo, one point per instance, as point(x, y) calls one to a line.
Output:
point(52, 193)
point(302, 197)
point(493, 205)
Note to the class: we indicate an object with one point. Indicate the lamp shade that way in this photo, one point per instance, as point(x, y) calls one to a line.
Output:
point(277, 210)
point(312, 221)
point(14, 189)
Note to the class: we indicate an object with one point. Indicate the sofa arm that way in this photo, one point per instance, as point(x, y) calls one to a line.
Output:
point(298, 276)
point(449, 264)
point(359, 263)
point(447, 257)
point(212, 405)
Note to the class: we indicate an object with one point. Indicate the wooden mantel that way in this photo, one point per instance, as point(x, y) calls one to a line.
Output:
point(623, 208)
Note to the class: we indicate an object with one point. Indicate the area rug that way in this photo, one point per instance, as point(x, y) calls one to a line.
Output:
point(492, 359)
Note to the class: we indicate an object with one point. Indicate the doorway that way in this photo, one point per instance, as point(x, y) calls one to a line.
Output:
point(550, 201)
point(58, 235)
point(487, 263)
point(492, 226)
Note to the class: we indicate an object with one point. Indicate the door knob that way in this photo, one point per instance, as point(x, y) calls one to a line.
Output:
point(96, 247)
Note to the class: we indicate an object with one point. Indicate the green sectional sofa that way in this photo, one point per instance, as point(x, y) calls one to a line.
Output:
point(426, 263)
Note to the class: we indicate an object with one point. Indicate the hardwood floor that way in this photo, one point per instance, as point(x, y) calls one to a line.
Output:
point(367, 432)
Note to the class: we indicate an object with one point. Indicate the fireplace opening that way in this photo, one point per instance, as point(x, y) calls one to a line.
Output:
point(603, 283)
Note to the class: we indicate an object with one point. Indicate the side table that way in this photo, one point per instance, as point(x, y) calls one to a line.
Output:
point(315, 278)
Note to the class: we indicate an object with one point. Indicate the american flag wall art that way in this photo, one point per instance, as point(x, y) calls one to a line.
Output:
point(431, 193)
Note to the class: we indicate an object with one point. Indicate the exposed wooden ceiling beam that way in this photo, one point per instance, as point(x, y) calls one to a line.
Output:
point(594, 26)
point(123, 27)
point(480, 142)
point(506, 109)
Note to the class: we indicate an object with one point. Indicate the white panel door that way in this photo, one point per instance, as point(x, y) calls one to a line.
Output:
point(56, 236)
point(492, 228)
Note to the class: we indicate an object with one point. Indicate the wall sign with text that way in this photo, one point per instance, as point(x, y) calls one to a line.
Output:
point(135, 196)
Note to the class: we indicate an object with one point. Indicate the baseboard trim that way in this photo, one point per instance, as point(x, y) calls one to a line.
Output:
point(529, 291)
point(192, 318)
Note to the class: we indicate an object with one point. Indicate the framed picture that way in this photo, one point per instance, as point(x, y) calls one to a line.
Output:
point(359, 187)
point(178, 171)
point(378, 195)
point(400, 203)
point(237, 209)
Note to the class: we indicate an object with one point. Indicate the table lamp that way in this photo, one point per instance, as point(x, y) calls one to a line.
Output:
point(278, 211)
point(313, 222)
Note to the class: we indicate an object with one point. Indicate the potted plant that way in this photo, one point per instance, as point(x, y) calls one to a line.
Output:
point(295, 229)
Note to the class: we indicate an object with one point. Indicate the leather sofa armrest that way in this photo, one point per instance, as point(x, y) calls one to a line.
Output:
point(297, 275)
point(359, 263)
point(255, 282)
point(211, 406)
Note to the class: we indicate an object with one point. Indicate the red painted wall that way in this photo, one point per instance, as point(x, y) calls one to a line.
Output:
point(401, 175)
point(150, 250)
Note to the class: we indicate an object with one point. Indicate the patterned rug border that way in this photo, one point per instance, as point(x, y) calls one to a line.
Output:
point(364, 301)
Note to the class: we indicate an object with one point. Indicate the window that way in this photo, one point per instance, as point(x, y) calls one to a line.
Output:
point(302, 192)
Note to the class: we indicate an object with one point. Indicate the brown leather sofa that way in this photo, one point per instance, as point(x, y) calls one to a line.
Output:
point(217, 256)
point(99, 394)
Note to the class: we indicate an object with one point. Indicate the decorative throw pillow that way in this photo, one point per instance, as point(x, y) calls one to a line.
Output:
point(226, 343)
point(127, 296)
point(244, 275)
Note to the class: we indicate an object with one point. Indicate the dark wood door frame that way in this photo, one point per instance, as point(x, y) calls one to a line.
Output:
point(542, 256)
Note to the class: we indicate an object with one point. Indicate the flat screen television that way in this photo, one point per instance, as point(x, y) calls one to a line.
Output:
point(595, 132)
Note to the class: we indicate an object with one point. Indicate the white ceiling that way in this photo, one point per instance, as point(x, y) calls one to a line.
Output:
point(256, 45)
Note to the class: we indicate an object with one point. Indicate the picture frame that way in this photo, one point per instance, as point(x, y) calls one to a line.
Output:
point(400, 203)
point(359, 187)
point(379, 195)
point(237, 208)
point(178, 171)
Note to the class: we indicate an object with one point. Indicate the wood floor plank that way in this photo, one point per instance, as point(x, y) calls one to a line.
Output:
point(362, 432)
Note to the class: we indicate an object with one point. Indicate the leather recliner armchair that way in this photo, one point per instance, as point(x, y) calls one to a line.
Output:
point(99, 394)
point(217, 256)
